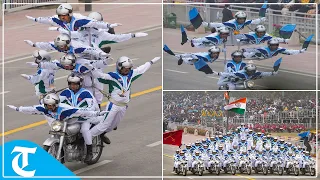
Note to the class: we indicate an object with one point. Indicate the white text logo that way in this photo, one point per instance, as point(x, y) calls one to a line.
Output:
point(24, 151)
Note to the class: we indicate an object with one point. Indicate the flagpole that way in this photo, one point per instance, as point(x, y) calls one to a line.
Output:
point(227, 101)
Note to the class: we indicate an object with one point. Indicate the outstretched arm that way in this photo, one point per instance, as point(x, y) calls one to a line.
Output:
point(38, 109)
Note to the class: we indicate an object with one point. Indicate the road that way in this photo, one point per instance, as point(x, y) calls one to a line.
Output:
point(293, 74)
point(169, 150)
point(139, 134)
point(186, 77)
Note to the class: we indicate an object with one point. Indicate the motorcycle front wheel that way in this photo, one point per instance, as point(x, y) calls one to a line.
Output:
point(264, 170)
point(185, 171)
point(313, 172)
point(296, 171)
point(53, 150)
point(97, 148)
point(280, 171)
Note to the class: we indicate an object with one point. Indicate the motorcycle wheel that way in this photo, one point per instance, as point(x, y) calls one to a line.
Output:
point(53, 150)
point(296, 171)
point(225, 170)
point(288, 171)
point(271, 170)
point(241, 170)
point(178, 170)
point(218, 171)
point(264, 170)
point(193, 171)
point(97, 148)
point(280, 171)
point(249, 170)
point(233, 170)
point(303, 171)
point(200, 171)
point(185, 172)
point(313, 172)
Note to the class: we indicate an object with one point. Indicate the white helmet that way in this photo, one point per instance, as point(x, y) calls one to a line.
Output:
point(75, 78)
point(51, 99)
point(240, 14)
point(273, 41)
point(250, 68)
point(260, 28)
point(223, 30)
point(214, 49)
point(62, 40)
point(124, 62)
point(41, 55)
point(68, 59)
point(64, 9)
point(237, 53)
point(96, 16)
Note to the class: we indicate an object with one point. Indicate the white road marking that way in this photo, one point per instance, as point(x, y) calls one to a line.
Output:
point(4, 92)
point(212, 77)
point(87, 168)
point(176, 71)
point(155, 144)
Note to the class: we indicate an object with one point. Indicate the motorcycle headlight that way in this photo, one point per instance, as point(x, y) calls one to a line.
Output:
point(56, 126)
point(249, 84)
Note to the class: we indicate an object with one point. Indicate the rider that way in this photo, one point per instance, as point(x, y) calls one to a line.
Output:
point(214, 39)
point(53, 110)
point(43, 80)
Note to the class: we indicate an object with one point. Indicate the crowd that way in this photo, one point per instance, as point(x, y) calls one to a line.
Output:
point(188, 106)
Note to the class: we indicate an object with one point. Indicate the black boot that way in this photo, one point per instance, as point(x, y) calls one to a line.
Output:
point(99, 106)
point(192, 45)
point(104, 138)
point(89, 154)
point(115, 128)
point(180, 61)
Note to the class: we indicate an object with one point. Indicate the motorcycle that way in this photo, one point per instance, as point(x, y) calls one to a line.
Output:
point(240, 85)
point(245, 165)
point(231, 166)
point(66, 143)
point(277, 167)
point(293, 166)
point(215, 166)
point(262, 167)
point(182, 168)
point(309, 168)
point(199, 168)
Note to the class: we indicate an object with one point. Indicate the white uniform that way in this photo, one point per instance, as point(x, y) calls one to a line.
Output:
point(119, 89)
point(43, 81)
point(82, 99)
point(76, 47)
point(77, 22)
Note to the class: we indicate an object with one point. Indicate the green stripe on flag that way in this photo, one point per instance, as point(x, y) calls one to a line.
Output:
point(238, 110)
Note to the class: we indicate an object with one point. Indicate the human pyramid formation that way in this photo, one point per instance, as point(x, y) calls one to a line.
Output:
point(243, 150)
point(236, 71)
point(83, 41)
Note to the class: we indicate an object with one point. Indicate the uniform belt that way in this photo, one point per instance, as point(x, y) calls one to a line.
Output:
point(117, 103)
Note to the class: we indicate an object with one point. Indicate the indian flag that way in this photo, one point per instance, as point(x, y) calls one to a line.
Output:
point(238, 106)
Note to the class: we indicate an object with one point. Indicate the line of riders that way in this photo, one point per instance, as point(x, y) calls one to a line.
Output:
point(245, 151)
point(236, 72)
point(77, 124)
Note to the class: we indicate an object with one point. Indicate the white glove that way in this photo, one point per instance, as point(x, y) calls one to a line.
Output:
point(205, 24)
point(115, 25)
point(107, 61)
point(238, 40)
point(154, 60)
point(103, 54)
point(286, 41)
point(29, 42)
point(27, 77)
point(274, 72)
point(303, 50)
point(32, 63)
point(140, 34)
point(53, 28)
point(31, 18)
point(102, 113)
point(13, 107)
point(263, 19)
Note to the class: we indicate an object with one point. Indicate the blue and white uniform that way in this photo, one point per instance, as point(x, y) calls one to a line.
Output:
point(252, 38)
point(265, 52)
point(199, 60)
point(208, 41)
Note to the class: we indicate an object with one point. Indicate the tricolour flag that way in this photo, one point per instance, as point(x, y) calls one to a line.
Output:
point(238, 106)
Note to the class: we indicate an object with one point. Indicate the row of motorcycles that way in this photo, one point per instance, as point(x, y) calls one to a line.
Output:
point(214, 165)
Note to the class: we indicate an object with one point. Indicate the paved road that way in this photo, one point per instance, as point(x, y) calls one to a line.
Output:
point(169, 150)
point(186, 77)
point(293, 73)
point(139, 134)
